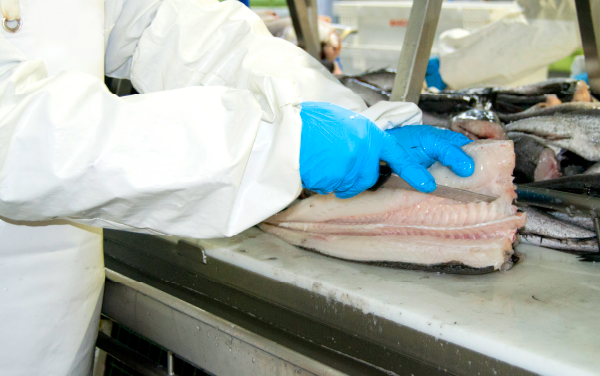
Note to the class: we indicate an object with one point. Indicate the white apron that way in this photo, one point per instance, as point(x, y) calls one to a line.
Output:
point(52, 273)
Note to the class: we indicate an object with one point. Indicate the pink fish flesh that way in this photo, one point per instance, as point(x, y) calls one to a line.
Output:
point(414, 228)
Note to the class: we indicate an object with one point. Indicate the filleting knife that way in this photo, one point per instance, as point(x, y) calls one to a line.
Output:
point(390, 180)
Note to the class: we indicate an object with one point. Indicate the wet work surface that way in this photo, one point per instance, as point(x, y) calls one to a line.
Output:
point(541, 316)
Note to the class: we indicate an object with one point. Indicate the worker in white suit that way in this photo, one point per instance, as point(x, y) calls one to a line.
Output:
point(222, 136)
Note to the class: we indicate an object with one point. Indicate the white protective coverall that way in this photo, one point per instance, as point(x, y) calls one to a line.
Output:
point(210, 149)
point(514, 50)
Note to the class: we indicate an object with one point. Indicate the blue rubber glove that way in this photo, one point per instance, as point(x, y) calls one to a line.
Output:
point(340, 152)
point(426, 145)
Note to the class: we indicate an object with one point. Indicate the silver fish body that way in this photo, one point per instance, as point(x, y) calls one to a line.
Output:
point(564, 108)
point(369, 93)
point(382, 79)
point(579, 133)
point(583, 222)
point(543, 224)
point(573, 245)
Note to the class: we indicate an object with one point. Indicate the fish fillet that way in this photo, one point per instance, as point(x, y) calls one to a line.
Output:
point(412, 227)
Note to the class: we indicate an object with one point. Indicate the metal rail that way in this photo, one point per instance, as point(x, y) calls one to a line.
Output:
point(416, 49)
point(305, 20)
point(588, 16)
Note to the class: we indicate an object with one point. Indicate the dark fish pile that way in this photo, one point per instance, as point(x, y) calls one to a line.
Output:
point(563, 230)
point(555, 126)
point(558, 231)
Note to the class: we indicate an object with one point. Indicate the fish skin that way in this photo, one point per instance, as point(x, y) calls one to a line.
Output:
point(369, 93)
point(543, 224)
point(534, 161)
point(479, 124)
point(583, 222)
point(412, 227)
point(573, 245)
point(579, 133)
point(562, 86)
point(478, 129)
point(382, 79)
point(564, 108)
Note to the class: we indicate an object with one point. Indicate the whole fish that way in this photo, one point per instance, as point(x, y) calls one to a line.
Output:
point(583, 184)
point(446, 103)
point(562, 108)
point(578, 132)
point(546, 225)
point(512, 103)
point(369, 93)
point(382, 79)
point(534, 161)
point(407, 227)
point(583, 222)
point(478, 124)
point(573, 245)
point(560, 86)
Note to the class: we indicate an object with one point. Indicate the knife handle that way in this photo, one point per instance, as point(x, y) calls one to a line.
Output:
point(384, 174)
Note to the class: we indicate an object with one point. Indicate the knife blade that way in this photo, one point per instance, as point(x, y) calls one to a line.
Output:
point(390, 180)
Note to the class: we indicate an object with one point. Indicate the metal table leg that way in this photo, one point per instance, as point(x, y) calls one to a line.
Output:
point(588, 15)
point(304, 18)
point(416, 49)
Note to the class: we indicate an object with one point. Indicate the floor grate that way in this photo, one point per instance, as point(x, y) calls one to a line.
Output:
point(148, 349)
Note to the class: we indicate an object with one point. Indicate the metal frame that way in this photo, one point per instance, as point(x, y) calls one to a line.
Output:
point(416, 49)
point(336, 336)
point(131, 358)
point(588, 16)
point(305, 20)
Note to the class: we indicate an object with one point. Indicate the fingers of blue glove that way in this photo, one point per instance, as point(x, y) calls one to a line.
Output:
point(455, 138)
point(403, 164)
point(418, 176)
point(366, 180)
point(459, 162)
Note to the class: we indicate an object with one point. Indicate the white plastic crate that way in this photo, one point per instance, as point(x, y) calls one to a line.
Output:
point(382, 25)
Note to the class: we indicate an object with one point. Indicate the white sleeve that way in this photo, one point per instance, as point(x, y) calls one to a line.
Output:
point(197, 161)
point(170, 44)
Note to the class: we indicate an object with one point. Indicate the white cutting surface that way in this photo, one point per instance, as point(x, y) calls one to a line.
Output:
point(543, 315)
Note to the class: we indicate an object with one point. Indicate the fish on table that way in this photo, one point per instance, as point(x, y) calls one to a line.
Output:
point(545, 230)
point(478, 125)
point(561, 108)
point(416, 230)
point(369, 93)
point(578, 132)
point(533, 160)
